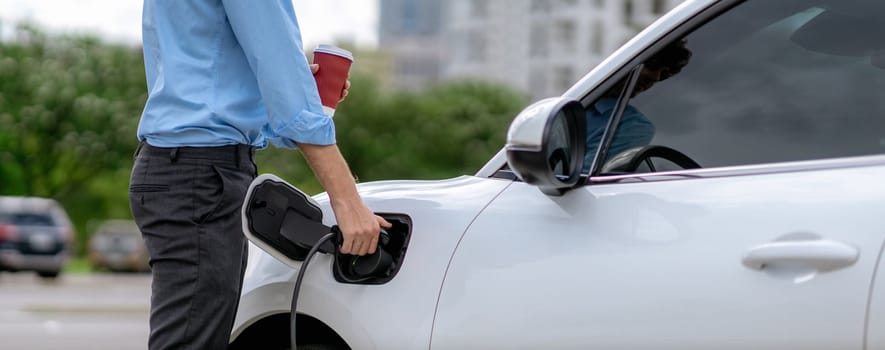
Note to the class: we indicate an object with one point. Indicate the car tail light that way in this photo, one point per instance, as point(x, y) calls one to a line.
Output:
point(8, 233)
point(67, 233)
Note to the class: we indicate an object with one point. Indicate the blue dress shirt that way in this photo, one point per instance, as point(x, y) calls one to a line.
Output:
point(223, 72)
point(634, 129)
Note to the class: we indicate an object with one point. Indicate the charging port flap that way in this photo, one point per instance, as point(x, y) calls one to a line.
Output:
point(282, 220)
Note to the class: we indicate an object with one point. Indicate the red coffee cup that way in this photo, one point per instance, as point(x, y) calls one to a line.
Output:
point(334, 66)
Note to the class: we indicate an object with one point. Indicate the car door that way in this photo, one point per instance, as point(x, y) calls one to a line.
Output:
point(772, 244)
point(876, 326)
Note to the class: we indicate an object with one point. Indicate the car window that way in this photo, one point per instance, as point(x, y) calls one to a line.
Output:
point(27, 219)
point(767, 81)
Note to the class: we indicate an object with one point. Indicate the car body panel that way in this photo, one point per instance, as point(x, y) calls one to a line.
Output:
point(875, 327)
point(401, 310)
point(567, 270)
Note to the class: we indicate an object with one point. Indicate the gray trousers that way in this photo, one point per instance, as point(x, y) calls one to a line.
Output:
point(186, 202)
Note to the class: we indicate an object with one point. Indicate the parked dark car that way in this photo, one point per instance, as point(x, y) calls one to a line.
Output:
point(116, 246)
point(36, 234)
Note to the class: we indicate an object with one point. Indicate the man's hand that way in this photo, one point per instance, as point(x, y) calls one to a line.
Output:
point(314, 68)
point(359, 226)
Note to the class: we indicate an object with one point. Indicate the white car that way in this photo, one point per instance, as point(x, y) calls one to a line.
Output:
point(738, 204)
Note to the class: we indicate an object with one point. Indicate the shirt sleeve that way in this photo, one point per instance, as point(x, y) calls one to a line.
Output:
point(268, 32)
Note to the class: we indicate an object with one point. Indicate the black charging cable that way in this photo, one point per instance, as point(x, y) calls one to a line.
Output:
point(366, 267)
point(336, 233)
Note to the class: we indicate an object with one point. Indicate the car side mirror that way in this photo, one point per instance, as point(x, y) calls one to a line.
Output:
point(546, 143)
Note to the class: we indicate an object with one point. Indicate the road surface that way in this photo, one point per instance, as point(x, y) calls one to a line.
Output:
point(76, 311)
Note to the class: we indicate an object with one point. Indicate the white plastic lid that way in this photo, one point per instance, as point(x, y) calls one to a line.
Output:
point(334, 50)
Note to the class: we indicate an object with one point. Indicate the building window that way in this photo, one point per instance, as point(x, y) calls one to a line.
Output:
point(565, 34)
point(628, 11)
point(538, 42)
point(538, 83)
point(476, 47)
point(597, 38)
point(658, 7)
point(541, 6)
point(563, 78)
point(479, 8)
point(409, 17)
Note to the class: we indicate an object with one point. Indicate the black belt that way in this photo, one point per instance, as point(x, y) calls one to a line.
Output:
point(228, 153)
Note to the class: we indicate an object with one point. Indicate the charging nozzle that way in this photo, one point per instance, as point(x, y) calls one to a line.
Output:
point(362, 266)
point(380, 266)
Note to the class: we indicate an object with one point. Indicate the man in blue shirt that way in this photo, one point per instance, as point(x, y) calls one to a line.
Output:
point(224, 77)
point(634, 128)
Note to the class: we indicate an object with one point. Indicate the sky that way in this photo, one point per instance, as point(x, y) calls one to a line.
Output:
point(321, 21)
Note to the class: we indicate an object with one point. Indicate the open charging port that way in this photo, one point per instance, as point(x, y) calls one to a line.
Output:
point(285, 222)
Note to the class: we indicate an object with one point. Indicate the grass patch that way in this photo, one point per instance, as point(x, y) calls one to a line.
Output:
point(78, 265)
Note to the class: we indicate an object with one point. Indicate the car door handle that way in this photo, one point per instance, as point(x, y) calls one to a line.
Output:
point(821, 254)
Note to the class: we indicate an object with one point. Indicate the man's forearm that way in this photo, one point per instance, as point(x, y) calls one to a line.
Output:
point(359, 226)
point(332, 171)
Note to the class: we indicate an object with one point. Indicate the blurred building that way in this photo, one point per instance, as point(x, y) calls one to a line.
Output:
point(369, 62)
point(540, 47)
point(410, 34)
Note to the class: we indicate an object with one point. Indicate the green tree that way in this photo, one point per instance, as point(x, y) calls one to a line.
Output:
point(448, 130)
point(68, 111)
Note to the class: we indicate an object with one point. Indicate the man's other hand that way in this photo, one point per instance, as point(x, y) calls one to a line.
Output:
point(314, 68)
